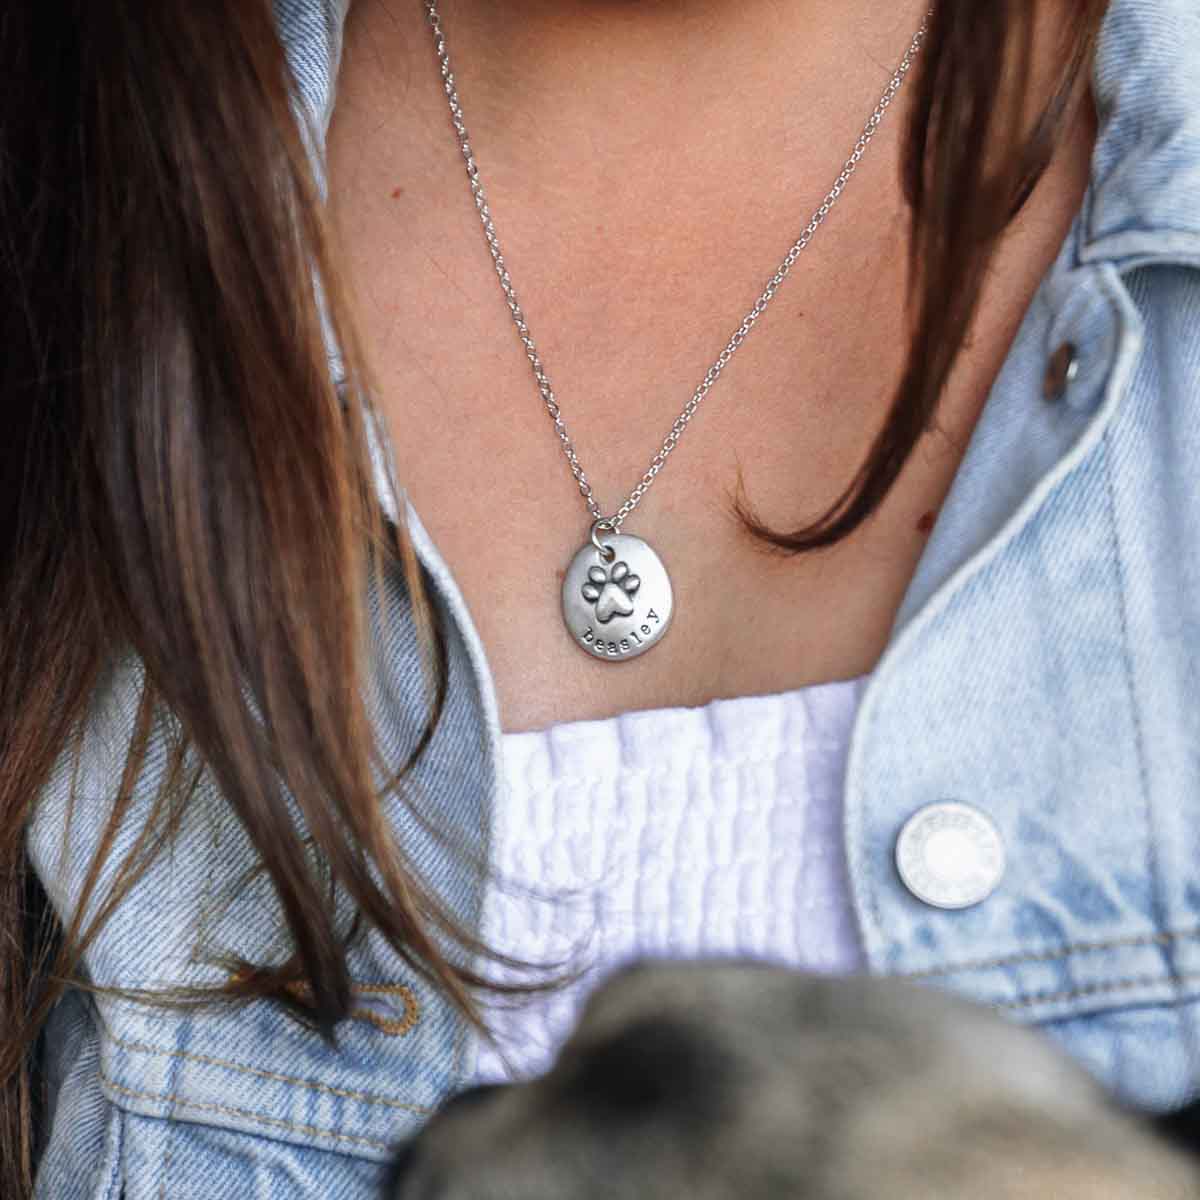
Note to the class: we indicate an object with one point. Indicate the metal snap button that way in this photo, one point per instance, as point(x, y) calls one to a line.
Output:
point(950, 855)
point(1061, 371)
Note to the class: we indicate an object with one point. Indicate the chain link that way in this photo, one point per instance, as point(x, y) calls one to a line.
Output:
point(739, 335)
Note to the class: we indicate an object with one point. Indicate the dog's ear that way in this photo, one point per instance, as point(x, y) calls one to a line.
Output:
point(1181, 1127)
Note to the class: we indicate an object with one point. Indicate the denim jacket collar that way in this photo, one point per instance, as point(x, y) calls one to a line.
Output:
point(1144, 202)
point(1141, 208)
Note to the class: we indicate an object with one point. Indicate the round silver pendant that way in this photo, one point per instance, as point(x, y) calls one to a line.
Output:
point(616, 603)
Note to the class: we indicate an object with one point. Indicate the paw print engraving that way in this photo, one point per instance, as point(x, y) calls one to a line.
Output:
point(610, 591)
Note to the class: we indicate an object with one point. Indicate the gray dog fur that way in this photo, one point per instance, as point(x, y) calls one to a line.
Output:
point(721, 1080)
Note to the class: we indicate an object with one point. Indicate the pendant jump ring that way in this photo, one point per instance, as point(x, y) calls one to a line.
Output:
point(606, 552)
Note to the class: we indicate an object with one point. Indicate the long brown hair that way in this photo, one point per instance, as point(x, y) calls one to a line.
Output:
point(181, 478)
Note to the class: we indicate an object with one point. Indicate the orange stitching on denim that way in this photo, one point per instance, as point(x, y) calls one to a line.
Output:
point(1012, 960)
point(1095, 989)
point(228, 1111)
point(392, 1026)
point(208, 1060)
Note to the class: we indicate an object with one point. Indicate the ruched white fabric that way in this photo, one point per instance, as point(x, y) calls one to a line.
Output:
point(676, 832)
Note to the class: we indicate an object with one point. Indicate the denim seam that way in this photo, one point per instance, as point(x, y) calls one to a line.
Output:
point(115, 1185)
point(166, 1167)
point(1038, 956)
point(1152, 861)
point(208, 1060)
point(227, 1110)
point(1097, 989)
point(1084, 228)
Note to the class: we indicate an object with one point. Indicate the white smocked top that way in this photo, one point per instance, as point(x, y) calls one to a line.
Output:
point(676, 832)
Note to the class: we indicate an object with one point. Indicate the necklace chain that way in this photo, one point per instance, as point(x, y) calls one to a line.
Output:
point(671, 440)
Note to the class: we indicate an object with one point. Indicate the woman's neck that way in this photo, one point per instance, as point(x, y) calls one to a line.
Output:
point(567, 85)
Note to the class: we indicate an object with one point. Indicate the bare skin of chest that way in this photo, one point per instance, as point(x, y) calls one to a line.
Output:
point(633, 265)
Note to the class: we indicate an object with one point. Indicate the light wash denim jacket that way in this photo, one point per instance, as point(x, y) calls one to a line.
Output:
point(1044, 667)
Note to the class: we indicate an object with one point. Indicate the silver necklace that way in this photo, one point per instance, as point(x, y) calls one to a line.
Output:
point(616, 595)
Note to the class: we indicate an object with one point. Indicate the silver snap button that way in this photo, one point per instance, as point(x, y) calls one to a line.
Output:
point(1061, 371)
point(950, 855)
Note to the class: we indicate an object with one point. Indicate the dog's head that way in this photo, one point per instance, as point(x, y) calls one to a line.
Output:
point(715, 1081)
